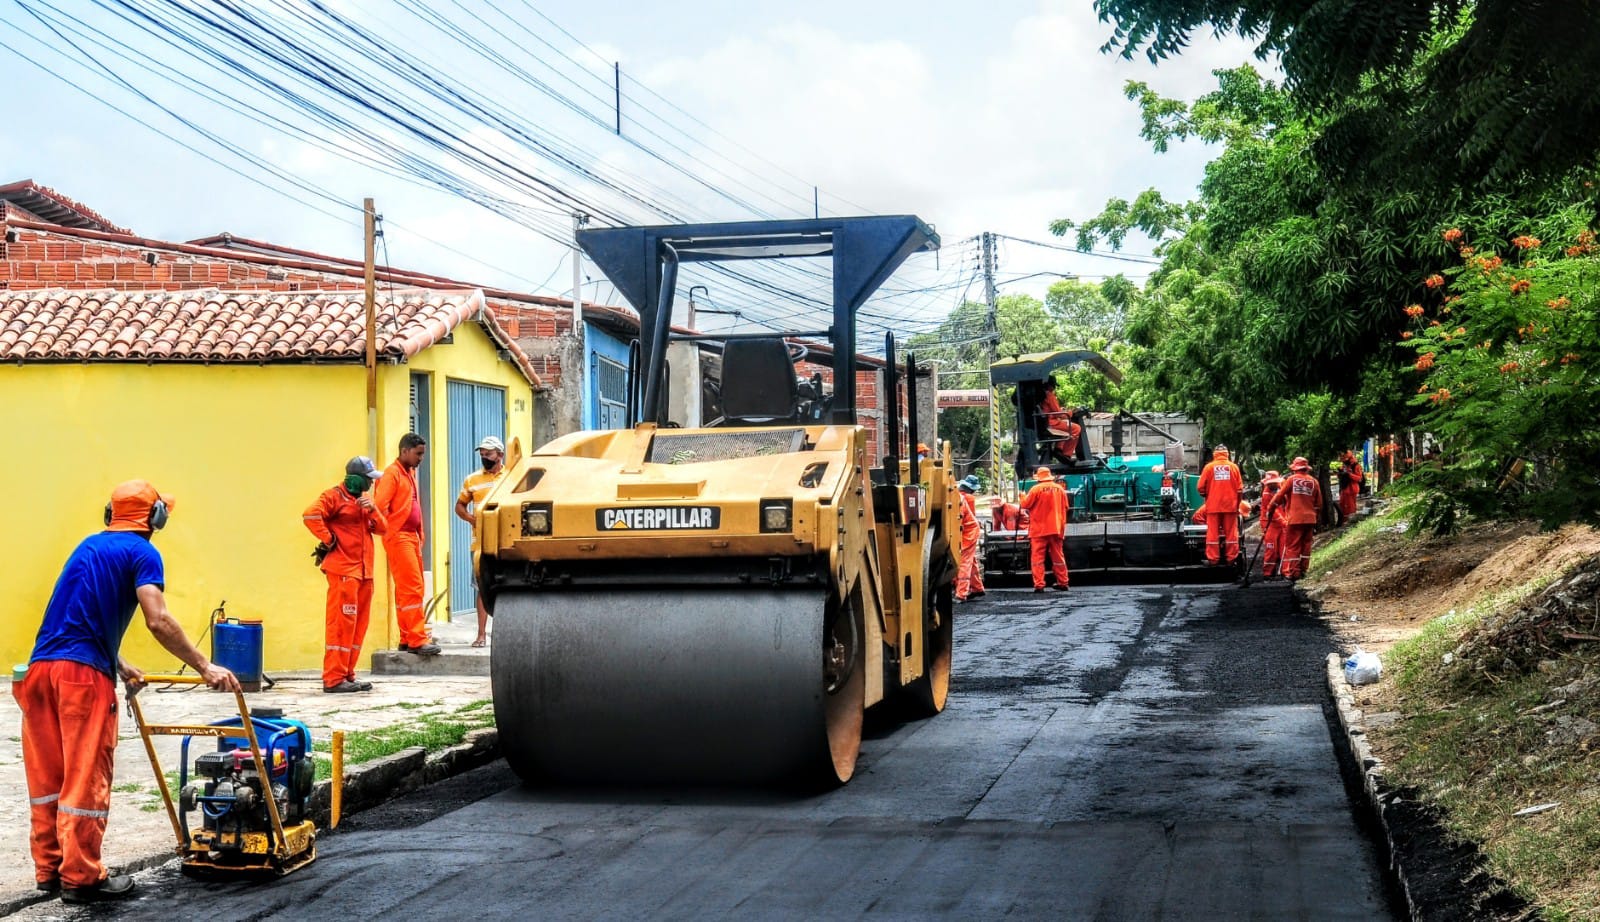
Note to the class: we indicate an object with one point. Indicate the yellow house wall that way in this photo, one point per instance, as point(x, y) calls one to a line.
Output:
point(243, 449)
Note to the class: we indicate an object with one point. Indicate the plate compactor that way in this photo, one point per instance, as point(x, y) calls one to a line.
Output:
point(251, 794)
point(721, 602)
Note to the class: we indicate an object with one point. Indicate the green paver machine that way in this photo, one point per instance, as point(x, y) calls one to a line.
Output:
point(1131, 502)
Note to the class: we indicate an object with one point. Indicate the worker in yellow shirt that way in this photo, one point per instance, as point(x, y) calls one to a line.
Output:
point(476, 487)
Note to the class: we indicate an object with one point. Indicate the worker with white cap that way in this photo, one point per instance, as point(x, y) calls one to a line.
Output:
point(474, 490)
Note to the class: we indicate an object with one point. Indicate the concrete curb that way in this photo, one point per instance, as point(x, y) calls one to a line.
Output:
point(366, 786)
point(1437, 880)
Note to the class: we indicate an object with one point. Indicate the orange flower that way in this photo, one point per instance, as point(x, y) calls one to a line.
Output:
point(1525, 242)
point(1406, 335)
point(1461, 331)
point(1490, 263)
point(1439, 396)
point(1569, 358)
point(1424, 361)
point(1434, 281)
point(1433, 323)
point(1467, 251)
point(1509, 367)
point(1423, 389)
point(1453, 234)
point(1559, 304)
point(1577, 250)
point(1586, 236)
point(1521, 286)
point(1414, 310)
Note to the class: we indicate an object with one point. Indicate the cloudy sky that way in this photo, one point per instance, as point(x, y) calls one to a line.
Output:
point(998, 117)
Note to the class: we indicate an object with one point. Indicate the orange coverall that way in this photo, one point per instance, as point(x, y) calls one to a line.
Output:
point(1301, 500)
point(1007, 517)
point(1220, 483)
point(1272, 525)
point(395, 496)
point(336, 519)
point(1061, 426)
point(1046, 506)
point(969, 578)
point(1350, 481)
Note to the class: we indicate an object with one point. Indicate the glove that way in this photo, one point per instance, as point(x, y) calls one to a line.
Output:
point(322, 550)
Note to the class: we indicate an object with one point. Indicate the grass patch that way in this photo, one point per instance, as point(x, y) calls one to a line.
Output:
point(1484, 749)
point(1345, 548)
point(432, 732)
point(154, 807)
point(127, 787)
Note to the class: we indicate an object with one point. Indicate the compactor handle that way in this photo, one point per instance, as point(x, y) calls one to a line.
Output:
point(151, 679)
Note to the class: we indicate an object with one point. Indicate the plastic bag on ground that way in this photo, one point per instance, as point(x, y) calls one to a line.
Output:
point(1363, 668)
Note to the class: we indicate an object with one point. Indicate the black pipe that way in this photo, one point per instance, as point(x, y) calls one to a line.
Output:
point(632, 409)
point(654, 372)
point(911, 412)
point(891, 423)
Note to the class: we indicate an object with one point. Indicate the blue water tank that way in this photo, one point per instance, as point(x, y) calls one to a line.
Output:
point(236, 646)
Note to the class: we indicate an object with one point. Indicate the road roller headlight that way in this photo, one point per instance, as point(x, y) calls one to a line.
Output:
point(777, 515)
point(536, 518)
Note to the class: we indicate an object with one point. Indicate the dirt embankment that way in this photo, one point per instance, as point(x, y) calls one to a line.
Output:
point(1396, 583)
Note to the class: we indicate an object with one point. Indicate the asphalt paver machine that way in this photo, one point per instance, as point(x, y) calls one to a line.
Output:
point(1130, 506)
point(722, 603)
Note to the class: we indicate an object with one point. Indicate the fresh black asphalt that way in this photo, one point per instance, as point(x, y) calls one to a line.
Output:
point(1118, 752)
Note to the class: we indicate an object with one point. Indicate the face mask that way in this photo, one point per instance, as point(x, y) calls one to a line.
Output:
point(356, 484)
point(488, 464)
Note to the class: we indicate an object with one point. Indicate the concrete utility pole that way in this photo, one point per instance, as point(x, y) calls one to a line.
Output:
point(578, 221)
point(371, 295)
point(992, 329)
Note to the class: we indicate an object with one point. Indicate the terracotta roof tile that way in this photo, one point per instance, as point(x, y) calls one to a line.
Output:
point(234, 326)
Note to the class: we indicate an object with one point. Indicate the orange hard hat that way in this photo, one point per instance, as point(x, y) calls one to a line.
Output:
point(1043, 473)
point(1300, 464)
point(137, 506)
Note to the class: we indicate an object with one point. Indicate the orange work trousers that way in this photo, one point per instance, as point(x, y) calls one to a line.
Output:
point(69, 733)
point(1222, 528)
point(349, 610)
point(404, 549)
point(969, 576)
point(1347, 502)
point(1049, 547)
point(1296, 550)
point(1271, 548)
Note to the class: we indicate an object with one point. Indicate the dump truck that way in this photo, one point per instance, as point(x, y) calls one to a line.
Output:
point(1131, 479)
point(722, 603)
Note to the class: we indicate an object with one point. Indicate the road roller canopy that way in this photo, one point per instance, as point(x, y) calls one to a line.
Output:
point(1036, 366)
point(643, 263)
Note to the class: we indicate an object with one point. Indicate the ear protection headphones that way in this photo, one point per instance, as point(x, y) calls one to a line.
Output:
point(157, 519)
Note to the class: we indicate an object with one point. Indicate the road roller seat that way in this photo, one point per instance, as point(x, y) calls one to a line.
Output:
point(758, 382)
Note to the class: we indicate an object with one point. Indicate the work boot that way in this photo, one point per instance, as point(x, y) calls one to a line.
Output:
point(976, 595)
point(1062, 587)
point(342, 688)
point(427, 649)
point(53, 885)
point(359, 684)
point(120, 887)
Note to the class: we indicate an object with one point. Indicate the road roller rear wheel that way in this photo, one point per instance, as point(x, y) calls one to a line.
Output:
point(927, 694)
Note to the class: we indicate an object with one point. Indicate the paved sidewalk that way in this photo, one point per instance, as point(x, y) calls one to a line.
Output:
point(139, 827)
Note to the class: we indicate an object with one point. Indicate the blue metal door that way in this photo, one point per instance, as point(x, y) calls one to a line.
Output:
point(476, 410)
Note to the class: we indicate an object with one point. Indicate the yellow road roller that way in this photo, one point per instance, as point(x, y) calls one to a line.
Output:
point(722, 603)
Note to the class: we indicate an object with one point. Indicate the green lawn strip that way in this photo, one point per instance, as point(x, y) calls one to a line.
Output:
point(1352, 542)
point(432, 732)
point(1479, 749)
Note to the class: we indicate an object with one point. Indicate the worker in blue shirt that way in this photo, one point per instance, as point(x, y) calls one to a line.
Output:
point(69, 696)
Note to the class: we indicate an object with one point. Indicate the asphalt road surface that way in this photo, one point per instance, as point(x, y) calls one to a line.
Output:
point(1111, 753)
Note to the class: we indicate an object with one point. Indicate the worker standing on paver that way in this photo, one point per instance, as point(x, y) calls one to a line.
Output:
point(69, 696)
point(1221, 483)
point(1301, 500)
point(400, 503)
point(344, 519)
point(969, 576)
point(1046, 505)
point(474, 489)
